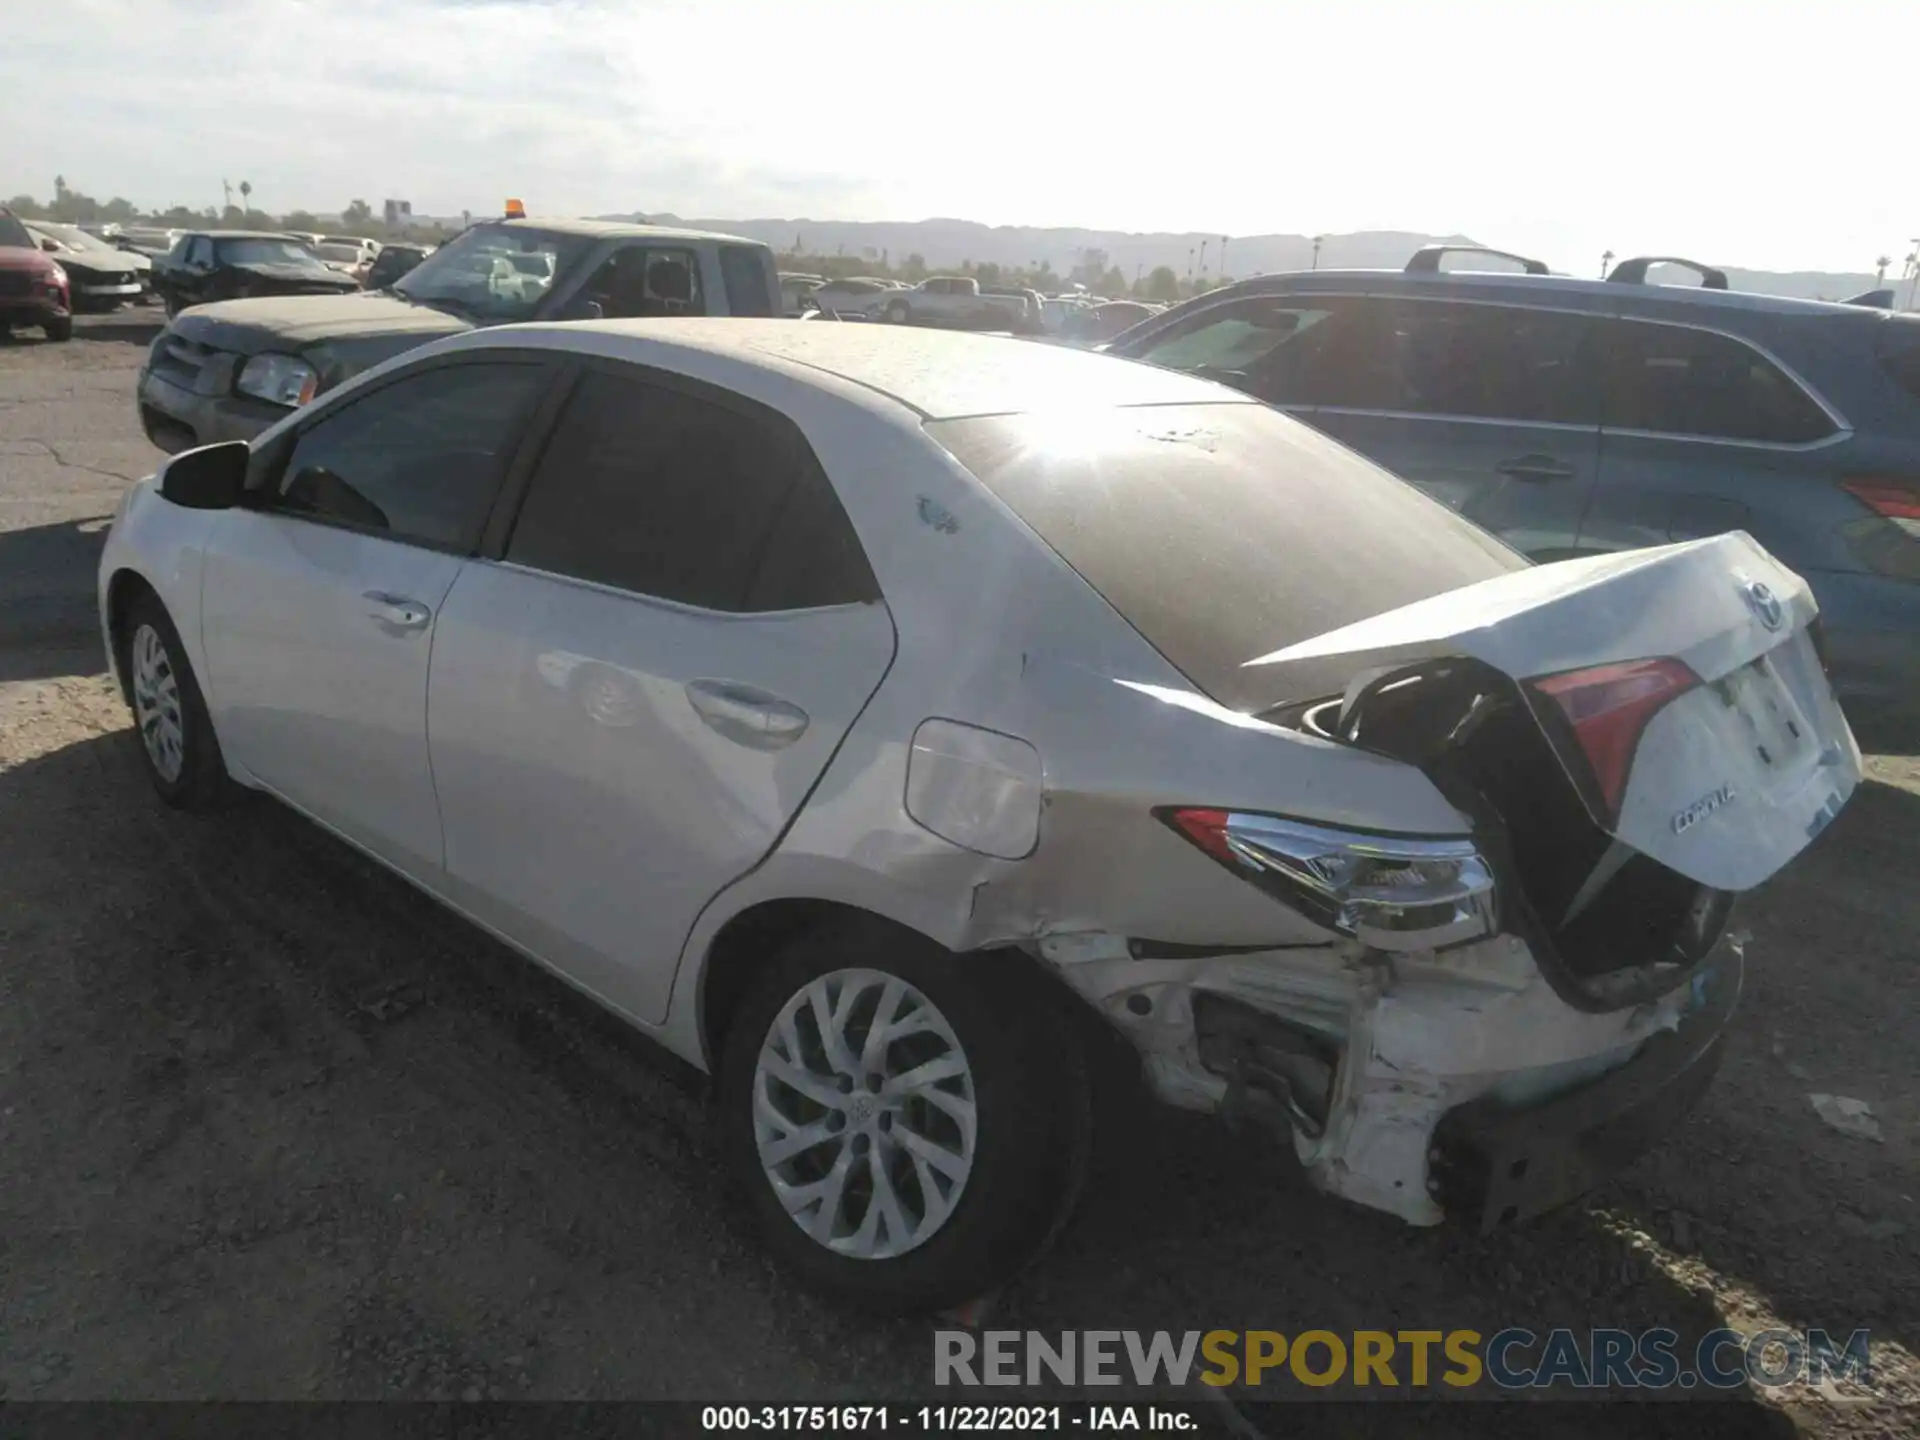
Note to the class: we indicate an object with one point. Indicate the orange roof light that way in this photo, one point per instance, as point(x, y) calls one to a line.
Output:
point(516, 210)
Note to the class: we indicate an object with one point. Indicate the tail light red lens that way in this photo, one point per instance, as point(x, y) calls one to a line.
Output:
point(1607, 708)
point(1205, 828)
point(1895, 500)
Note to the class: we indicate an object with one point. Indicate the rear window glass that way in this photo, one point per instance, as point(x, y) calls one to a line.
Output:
point(1224, 532)
point(13, 234)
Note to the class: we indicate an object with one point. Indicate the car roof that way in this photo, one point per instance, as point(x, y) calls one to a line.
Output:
point(243, 234)
point(616, 230)
point(1522, 289)
point(939, 374)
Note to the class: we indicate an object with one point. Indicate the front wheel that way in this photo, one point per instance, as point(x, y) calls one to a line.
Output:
point(58, 329)
point(897, 314)
point(907, 1125)
point(177, 745)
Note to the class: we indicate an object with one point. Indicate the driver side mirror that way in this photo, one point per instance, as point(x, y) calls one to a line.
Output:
point(211, 477)
point(49, 245)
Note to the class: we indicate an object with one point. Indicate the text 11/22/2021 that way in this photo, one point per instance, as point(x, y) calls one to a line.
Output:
point(947, 1419)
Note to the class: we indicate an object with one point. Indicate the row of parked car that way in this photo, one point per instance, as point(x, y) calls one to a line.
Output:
point(962, 302)
point(917, 730)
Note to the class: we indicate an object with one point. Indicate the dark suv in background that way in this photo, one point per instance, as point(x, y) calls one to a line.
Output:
point(1572, 417)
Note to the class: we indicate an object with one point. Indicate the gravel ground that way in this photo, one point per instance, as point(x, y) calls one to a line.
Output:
point(275, 1127)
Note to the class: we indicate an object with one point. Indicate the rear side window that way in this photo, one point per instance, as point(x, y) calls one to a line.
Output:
point(744, 270)
point(651, 490)
point(1675, 381)
point(416, 460)
point(1480, 362)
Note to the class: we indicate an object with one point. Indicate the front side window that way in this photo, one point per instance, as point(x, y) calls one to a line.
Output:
point(495, 273)
point(647, 281)
point(1482, 362)
point(1676, 381)
point(418, 459)
point(661, 493)
point(199, 251)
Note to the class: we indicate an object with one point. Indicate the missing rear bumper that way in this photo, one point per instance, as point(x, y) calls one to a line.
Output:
point(1499, 1165)
point(1428, 1086)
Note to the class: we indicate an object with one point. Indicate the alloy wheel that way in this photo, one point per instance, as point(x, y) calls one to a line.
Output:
point(156, 704)
point(864, 1113)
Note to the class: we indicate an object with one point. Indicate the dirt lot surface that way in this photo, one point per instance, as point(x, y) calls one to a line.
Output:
point(273, 1126)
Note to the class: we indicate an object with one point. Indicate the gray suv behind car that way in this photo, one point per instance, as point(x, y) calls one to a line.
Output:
point(1572, 417)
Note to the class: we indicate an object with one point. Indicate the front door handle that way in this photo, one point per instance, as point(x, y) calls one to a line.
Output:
point(745, 715)
point(1535, 467)
point(396, 612)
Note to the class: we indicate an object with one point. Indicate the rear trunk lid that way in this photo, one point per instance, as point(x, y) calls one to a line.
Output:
point(1721, 771)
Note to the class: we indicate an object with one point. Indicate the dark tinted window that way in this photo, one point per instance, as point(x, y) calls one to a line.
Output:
point(1900, 351)
point(1263, 347)
point(651, 490)
point(1689, 382)
point(12, 233)
point(646, 281)
point(1225, 532)
point(744, 269)
point(1486, 362)
point(199, 251)
point(417, 459)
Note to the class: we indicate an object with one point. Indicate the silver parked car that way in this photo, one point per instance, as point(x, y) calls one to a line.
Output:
point(889, 721)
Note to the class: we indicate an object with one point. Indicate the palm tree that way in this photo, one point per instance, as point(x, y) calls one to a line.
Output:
point(1880, 270)
point(246, 194)
point(1606, 263)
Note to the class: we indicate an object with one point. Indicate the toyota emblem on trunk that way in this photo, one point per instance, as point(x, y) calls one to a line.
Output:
point(1764, 603)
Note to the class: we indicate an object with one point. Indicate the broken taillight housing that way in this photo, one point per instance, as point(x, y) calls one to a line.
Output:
point(1391, 892)
point(1606, 709)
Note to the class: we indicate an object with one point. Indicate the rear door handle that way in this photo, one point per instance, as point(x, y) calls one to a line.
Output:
point(745, 715)
point(396, 612)
point(1535, 467)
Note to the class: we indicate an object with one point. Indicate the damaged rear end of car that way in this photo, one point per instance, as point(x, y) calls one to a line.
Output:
point(1483, 1013)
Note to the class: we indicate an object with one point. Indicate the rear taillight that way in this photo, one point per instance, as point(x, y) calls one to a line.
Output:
point(1607, 709)
point(1393, 892)
point(1895, 500)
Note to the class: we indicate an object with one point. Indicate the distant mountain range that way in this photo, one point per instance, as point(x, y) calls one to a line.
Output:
point(944, 244)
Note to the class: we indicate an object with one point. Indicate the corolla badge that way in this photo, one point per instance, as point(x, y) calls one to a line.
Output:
point(1764, 604)
point(1701, 808)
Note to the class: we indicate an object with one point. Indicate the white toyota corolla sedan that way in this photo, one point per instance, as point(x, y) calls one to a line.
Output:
point(891, 721)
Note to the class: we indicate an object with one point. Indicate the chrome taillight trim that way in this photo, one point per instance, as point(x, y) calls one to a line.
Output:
point(1444, 894)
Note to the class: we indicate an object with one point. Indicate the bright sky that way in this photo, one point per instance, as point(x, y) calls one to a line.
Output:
point(1780, 135)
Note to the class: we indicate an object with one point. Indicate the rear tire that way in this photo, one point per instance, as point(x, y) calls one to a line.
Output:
point(913, 1173)
point(171, 728)
point(897, 313)
point(59, 330)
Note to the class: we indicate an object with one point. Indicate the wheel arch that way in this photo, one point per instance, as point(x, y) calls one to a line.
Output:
point(738, 949)
point(123, 588)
